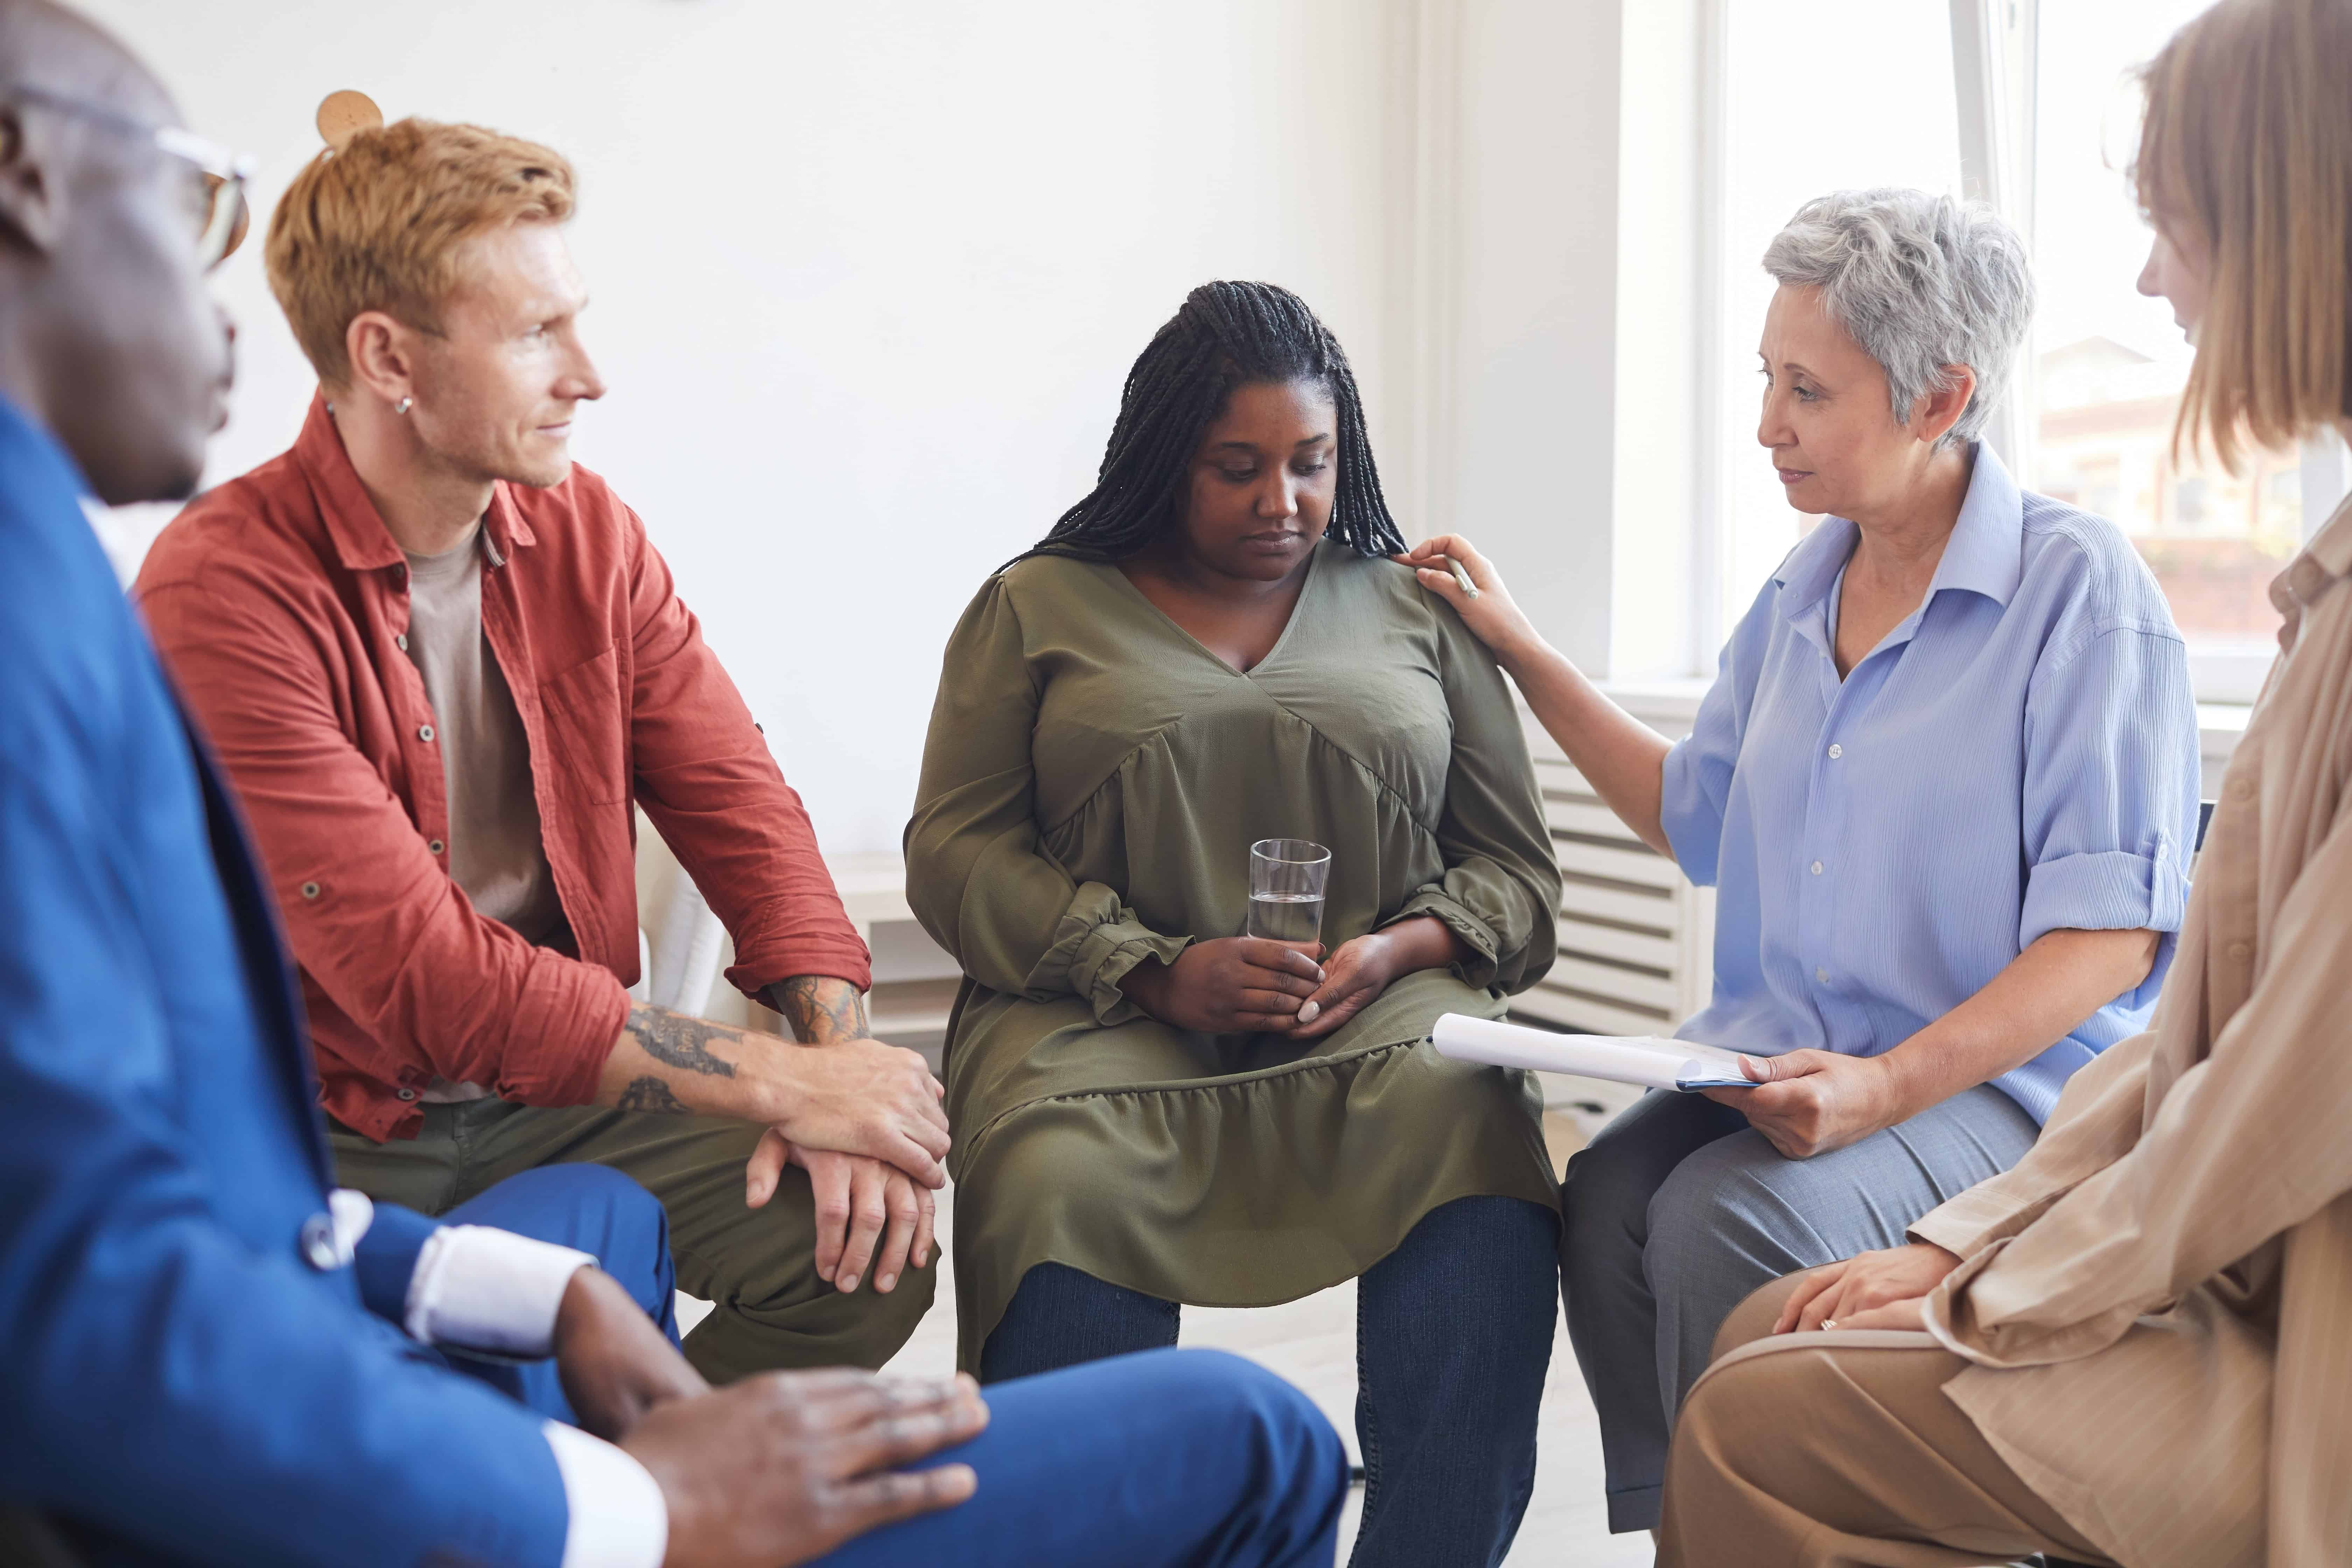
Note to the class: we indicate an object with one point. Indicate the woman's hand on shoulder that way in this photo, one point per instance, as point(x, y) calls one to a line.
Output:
point(1490, 613)
point(1810, 1102)
point(1231, 985)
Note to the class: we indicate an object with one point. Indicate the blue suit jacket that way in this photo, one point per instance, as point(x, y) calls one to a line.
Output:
point(176, 1371)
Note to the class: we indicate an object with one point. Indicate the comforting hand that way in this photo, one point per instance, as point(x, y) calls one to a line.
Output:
point(1231, 985)
point(615, 1365)
point(854, 1097)
point(1873, 1291)
point(1810, 1102)
point(855, 1198)
point(1492, 617)
point(783, 1466)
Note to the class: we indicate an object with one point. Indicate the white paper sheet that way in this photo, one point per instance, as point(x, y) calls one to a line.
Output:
point(1645, 1060)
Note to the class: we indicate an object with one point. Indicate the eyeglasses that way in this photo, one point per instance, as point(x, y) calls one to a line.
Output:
point(216, 205)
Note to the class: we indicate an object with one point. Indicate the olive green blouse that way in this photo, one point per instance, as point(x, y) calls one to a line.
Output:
point(1092, 783)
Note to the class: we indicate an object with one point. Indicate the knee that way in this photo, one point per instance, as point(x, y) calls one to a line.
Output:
point(1753, 1319)
point(628, 1231)
point(1718, 1419)
point(592, 1207)
point(1707, 1225)
point(903, 1305)
point(1605, 1193)
point(1256, 1411)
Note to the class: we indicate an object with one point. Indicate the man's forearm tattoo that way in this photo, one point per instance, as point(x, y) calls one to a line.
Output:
point(650, 1094)
point(820, 1007)
point(677, 1040)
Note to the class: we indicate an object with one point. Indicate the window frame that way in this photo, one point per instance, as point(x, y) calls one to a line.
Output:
point(1995, 63)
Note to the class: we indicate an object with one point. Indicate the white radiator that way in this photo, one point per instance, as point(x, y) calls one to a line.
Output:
point(1636, 938)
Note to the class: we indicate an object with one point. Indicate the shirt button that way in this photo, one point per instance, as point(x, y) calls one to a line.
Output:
point(2242, 950)
point(2243, 789)
point(406, 1093)
point(1821, 976)
point(400, 641)
point(1817, 868)
point(434, 844)
point(310, 889)
point(318, 1243)
point(1836, 752)
point(425, 731)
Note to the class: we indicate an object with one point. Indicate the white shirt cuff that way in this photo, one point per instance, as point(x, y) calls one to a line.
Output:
point(618, 1519)
point(487, 1289)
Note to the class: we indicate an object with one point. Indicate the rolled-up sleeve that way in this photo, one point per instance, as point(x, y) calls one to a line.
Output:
point(2110, 791)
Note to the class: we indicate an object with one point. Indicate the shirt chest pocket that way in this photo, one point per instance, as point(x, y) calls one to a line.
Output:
point(584, 732)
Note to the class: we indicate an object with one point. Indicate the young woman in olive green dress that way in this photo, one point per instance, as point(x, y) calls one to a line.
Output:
point(1152, 1109)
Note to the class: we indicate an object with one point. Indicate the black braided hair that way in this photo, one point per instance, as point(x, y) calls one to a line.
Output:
point(1226, 336)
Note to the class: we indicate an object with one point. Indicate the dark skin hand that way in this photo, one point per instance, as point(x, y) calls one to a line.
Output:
point(1259, 500)
point(784, 1467)
point(1364, 968)
point(1231, 985)
point(615, 1364)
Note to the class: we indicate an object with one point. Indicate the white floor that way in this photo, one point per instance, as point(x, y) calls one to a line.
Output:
point(1313, 1343)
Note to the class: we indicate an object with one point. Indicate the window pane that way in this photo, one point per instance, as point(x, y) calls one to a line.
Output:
point(1820, 95)
point(2109, 364)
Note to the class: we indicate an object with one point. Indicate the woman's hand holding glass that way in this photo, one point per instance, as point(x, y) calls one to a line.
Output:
point(1228, 985)
point(1810, 1102)
point(1870, 1290)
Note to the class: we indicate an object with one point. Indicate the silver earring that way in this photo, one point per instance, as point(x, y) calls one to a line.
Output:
point(402, 406)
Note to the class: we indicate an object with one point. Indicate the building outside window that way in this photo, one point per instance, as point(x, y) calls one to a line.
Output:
point(1812, 96)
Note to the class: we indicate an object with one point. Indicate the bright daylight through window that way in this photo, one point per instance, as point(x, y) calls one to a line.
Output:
point(2109, 364)
point(1820, 95)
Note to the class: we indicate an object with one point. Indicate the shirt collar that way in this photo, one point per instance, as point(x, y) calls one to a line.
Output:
point(2332, 546)
point(1985, 554)
point(361, 541)
point(2317, 568)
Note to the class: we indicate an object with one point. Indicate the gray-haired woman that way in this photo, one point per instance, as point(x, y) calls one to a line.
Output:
point(1945, 783)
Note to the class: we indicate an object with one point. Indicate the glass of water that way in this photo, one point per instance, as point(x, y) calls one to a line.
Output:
point(1286, 891)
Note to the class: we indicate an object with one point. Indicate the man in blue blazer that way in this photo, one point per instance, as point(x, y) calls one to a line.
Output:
point(206, 1355)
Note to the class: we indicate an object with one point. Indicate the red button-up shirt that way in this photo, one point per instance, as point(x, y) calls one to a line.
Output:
point(279, 601)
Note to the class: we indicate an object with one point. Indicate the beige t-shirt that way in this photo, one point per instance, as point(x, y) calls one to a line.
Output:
point(494, 851)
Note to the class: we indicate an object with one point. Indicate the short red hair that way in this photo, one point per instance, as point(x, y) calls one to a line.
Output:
point(377, 225)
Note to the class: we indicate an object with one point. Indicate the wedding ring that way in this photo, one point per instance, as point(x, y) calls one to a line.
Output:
point(1828, 1324)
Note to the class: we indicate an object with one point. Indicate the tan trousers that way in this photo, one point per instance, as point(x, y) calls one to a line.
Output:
point(759, 1266)
point(1841, 1451)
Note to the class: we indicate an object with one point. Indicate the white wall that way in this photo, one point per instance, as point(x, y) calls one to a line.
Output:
point(1532, 431)
point(866, 278)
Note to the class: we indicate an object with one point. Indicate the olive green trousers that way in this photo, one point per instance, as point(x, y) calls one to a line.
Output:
point(757, 1266)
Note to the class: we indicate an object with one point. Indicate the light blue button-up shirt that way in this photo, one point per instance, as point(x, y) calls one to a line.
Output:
point(2018, 756)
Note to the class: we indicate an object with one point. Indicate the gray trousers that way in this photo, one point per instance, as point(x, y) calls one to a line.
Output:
point(1679, 1209)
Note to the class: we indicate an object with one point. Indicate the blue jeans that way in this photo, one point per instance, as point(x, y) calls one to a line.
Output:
point(1180, 1459)
point(1679, 1210)
point(1453, 1335)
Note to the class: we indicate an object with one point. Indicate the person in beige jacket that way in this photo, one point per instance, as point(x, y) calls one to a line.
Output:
point(2135, 1347)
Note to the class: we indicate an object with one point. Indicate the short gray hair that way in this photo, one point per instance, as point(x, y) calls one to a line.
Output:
point(1920, 281)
